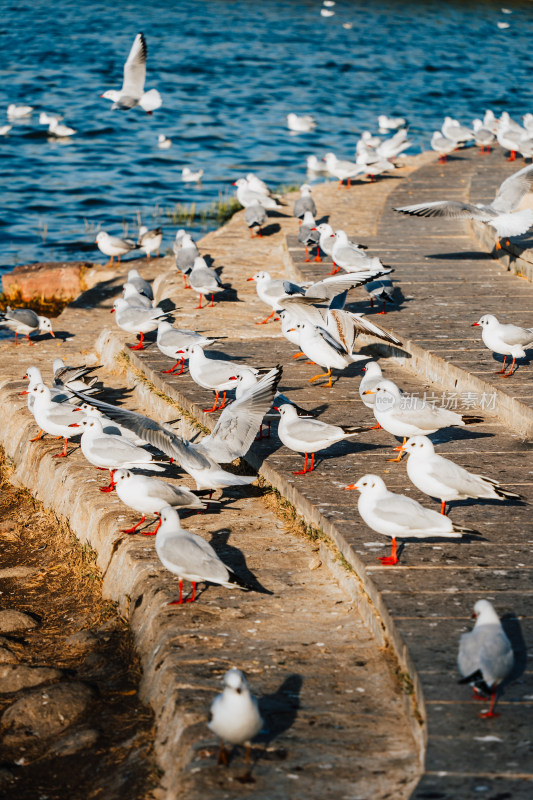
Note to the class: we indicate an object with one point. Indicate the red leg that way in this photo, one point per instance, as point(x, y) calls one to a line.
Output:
point(180, 601)
point(311, 468)
point(306, 254)
point(219, 408)
point(490, 712)
point(400, 454)
point(371, 302)
point(511, 371)
point(212, 303)
point(443, 507)
point(139, 346)
point(153, 533)
point(340, 184)
point(209, 410)
point(393, 558)
point(383, 310)
point(63, 452)
point(171, 370)
point(132, 530)
point(263, 322)
point(112, 483)
point(185, 284)
point(317, 257)
point(191, 598)
point(348, 183)
point(16, 338)
point(39, 435)
point(29, 340)
point(296, 355)
point(304, 470)
point(199, 302)
point(502, 371)
point(376, 427)
point(512, 156)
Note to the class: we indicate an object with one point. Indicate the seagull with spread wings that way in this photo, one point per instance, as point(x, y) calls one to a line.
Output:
point(132, 91)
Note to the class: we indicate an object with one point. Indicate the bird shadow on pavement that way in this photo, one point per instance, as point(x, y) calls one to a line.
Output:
point(453, 434)
point(235, 559)
point(513, 630)
point(99, 294)
point(270, 230)
point(464, 255)
point(280, 709)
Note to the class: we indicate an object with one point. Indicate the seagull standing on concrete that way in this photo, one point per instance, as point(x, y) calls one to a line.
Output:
point(191, 558)
point(23, 321)
point(399, 516)
point(439, 477)
point(114, 246)
point(135, 319)
point(132, 91)
point(506, 339)
point(150, 241)
point(304, 203)
point(255, 217)
point(235, 716)
point(57, 419)
point(486, 656)
point(204, 281)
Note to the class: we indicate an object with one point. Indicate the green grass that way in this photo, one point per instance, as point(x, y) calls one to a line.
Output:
point(218, 211)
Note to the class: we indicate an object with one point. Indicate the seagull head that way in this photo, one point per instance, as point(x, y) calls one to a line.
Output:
point(418, 447)
point(369, 483)
point(486, 321)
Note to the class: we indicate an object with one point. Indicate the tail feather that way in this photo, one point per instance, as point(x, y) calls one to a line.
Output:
point(235, 580)
point(465, 531)
point(351, 430)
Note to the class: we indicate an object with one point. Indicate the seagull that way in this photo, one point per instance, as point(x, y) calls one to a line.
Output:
point(171, 341)
point(486, 656)
point(500, 214)
point(352, 257)
point(163, 142)
point(142, 286)
point(326, 12)
point(300, 124)
point(60, 131)
point(439, 477)
point(326, 243)
point(132, 92)
point(255, 217)
point(149, 495)
point(442, 145)
point(235, 716)
point(189, 176)
point(247, 196)
point(191, 558)
point(342, 170)
point(67, 378)
point(186, 254)
point(506, 339)
point(198, 464)
point(4, 129)
point(323, 349)
point(108, 451)
point(18, 112)
point(272, 290)
point(257, 185)
point(387, 124)
point(308, 235)
point(399, 516)
point(314, 166)
point(372, 375)
point(309, 436)
point(484, 137)
point(212, 373)
point(114, 246)
point(54, 418)
point(33, 374)
point(405, 416)
point(135, 319)
point(304, 203)
point(23, 321)
point(452, 129)
point(509, 137)
point(382, 289)
point(204, 281)
point(391, 148)
point(135, 298)
point(149, 240)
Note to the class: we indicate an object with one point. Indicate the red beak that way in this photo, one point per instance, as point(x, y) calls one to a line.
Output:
point(476, 325)
point(112, 311)
point(352, 486)
point(24, 392)
point(74, 425)
point(249, 279)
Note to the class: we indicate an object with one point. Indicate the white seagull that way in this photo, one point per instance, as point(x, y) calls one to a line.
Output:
point(500, 214)
point(442, 145)
point(132, 92)
point(114, 246)
point(235, 716)
point(150, 241)
point(171, 341)
point(23, 321)
point(506, 339)
point(304, 123)
point(190, 557)
point(439, 477)
point(204, 281)
point(399, 516)
point(486, 656)
point(54, 418)
point(135, 319)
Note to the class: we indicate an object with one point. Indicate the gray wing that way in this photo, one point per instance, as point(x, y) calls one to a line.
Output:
point(309, 430)
point(409, 513)
point(303, 309)
point(239, 423)
point(516, 335)
point(173, 495)
point(291, 288)
point(513, 190)
point(118, 447)
point(24, 315)
point(204, 276)
point(191, 554)
point(455, 209)
point(255, 215)
point(328, 288)
point(326, 335)
point(362, 325)
point(134, 315)
point(159, 436)
point(487, 649)
point(135, 69)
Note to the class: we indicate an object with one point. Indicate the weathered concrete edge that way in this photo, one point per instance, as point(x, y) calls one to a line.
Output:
point(513, 257)
point(131, 578)
point(429, 366)
point(365, 595)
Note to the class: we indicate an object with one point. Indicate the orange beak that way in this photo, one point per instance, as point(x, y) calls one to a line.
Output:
point(24, 392)
point(369, 391)
point(52, 334)
point(352, 486)
point(399, 449)
point(74, 425)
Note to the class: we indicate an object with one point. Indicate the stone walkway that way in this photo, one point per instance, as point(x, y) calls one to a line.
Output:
point(420, 607)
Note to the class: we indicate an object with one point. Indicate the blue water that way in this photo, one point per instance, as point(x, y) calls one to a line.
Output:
point(229, 72)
